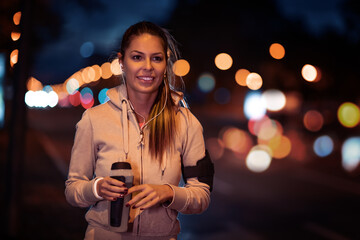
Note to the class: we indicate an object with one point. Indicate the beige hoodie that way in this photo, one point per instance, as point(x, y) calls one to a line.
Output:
point(106, 134)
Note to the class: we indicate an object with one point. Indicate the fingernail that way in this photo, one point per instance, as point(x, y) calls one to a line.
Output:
point(127, 205)
point(133, 207)
point(142, 209)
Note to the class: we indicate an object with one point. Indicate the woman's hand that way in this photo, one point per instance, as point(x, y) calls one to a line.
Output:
point(111, 189)
point(150, 195)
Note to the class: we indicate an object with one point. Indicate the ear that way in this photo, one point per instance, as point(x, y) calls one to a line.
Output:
point(120, 59)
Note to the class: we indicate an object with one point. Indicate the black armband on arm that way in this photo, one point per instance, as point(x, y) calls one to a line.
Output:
point(204, 171)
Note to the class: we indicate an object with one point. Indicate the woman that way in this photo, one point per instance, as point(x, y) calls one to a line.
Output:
point(144, 124)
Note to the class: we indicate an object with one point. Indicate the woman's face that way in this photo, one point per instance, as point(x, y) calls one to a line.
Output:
point(144, 64)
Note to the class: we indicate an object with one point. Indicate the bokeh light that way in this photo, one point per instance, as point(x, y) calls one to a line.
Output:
point(115, 67)
point(33, 84)
point(222, 95)
point(72, 85)
point(309, 72)
point(236, 140)
point(87, 49)
point(181, 67)
point(348, 114)
point(240, 76)
point(103, 98)
point(293, 102)
point(254, 105)
point(106, 70)
point(215, 146)
point(277, 51)
point(223, 61)
point(74, 98)
point(15, 36)
point(17, 18)
point(258, 159)
point(254, 81)
point(275, 99)
point(267, 129)
point(86, 98)
point(313, 120)
point(97, 71)
point(63, 99)
point(280, 146)
point(350, 153)
point(206, 82)
point(323, 146)
point(41, 99)
point(53, 99)
point(255, 124)
point(88, 74)
point(14, 57)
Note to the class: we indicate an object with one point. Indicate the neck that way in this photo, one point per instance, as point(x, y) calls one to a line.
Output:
point(142, 103)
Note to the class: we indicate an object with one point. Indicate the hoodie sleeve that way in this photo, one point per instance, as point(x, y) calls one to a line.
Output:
point(194, 198)
point(79, 185)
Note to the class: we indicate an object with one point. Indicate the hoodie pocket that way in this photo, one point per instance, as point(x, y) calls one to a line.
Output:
point(159, 221)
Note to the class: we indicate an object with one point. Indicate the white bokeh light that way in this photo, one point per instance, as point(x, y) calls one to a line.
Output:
point(254, 105)
point(275, 99)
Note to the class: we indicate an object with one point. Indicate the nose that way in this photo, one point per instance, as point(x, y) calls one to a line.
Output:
point(148, 64)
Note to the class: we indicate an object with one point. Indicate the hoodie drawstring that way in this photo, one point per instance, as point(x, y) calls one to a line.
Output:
point(125, 128)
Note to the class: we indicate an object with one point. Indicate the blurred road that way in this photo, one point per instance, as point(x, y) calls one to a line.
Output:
point(291, 200)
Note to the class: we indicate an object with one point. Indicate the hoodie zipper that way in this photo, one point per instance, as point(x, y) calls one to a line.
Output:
point(141, 171)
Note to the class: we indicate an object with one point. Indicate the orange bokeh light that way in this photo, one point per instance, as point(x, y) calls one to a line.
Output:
point(106, 70)
point(241, 76)
point(15, 36)
point(97, 70)
point(277, 51)
point(223, 61)
point(181, 67)
point(34, 85)
point(280, 146)
point(313, 120)
point(236, 140)
point(16, 18)
point(14, 57)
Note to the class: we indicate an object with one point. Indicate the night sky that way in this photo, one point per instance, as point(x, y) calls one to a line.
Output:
point(104, 25)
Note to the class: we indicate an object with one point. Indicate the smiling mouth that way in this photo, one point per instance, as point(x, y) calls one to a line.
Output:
point(146, 78)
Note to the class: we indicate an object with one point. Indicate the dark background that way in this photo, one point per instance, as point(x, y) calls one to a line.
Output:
point(314, 198)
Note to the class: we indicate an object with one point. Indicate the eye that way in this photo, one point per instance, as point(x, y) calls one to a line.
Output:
point(157, 58)
point(136, 57)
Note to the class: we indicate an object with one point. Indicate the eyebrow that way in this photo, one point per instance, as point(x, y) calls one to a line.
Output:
point(139, 52)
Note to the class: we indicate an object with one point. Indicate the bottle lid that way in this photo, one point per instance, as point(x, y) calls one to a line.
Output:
point(120, 165)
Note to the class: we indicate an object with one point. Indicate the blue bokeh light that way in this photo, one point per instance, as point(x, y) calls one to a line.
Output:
point(103, 98)
point(87, 49)
point(206, 82)
point(323, 146)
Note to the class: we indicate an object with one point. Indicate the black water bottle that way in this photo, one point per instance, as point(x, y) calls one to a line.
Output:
point(118, 212)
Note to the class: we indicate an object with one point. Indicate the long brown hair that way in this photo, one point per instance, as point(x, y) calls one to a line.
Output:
point(163, 127)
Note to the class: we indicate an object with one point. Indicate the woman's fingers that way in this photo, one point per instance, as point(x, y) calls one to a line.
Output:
point(110, 188)
point(149, 195)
